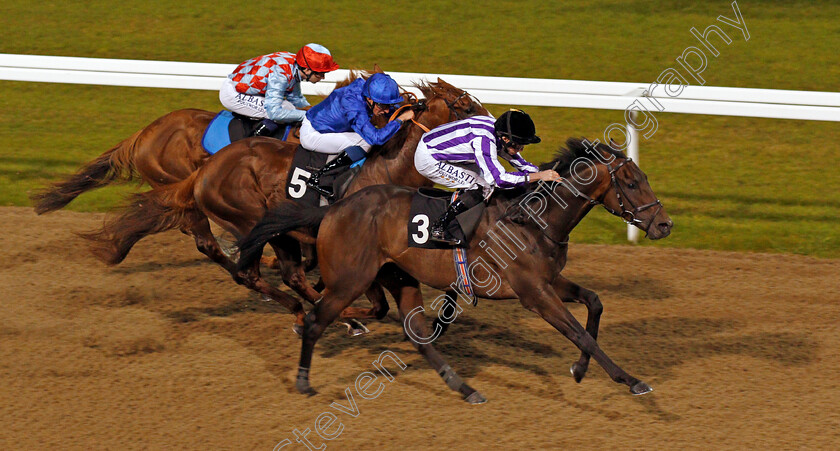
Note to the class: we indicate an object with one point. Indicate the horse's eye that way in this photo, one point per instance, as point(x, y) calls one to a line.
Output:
point(631, 185)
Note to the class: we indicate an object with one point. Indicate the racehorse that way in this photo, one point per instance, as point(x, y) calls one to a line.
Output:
point(164, 152)
point(236, 187)
point(364, 238)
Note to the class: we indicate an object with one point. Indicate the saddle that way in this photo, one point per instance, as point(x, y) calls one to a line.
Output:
point(304, 164)
point(228, 127)
point(427, 205)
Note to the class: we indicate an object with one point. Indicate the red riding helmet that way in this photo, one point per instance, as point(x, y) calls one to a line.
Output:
point(315, 57)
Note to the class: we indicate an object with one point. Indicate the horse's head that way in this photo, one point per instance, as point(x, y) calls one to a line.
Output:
point(618, 184)
point(446, 103)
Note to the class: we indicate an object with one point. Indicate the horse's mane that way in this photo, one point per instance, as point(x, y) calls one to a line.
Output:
point(356, 74)
point(575, 148)
point(433, 88)
point(429, 90)
point(563, 158)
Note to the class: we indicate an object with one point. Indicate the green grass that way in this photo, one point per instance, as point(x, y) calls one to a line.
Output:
point(741, 184)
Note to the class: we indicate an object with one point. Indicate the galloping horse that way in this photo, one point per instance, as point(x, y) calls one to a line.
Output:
point(236, 187)
point(376, 218)
point(164, 152)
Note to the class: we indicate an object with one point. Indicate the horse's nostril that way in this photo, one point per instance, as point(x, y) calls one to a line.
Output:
point(666, 225)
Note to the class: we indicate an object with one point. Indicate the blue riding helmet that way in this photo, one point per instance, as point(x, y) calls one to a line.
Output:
point(381, 88)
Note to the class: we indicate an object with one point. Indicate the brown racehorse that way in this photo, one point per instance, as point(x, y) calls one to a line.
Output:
point(364, 238)
point(236, 187)
point(166, 151)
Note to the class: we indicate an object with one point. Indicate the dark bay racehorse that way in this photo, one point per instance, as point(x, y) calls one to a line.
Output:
point(236, 187)
point(363, 239)
point(164, 152)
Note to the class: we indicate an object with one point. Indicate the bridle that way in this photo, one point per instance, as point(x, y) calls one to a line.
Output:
point(454, 111)
point(628, 215)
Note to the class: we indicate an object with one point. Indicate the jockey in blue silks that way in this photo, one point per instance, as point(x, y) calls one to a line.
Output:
point(341, 123)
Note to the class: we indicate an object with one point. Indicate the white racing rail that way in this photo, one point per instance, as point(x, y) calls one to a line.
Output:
point(766, 103)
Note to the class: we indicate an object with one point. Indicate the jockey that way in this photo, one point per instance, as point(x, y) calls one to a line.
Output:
point(268, 87)
point(464, 155)
point(341, 124)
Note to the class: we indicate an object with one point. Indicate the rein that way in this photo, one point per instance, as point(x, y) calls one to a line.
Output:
point(628, 216)
point(452, 112)
point(401, 109)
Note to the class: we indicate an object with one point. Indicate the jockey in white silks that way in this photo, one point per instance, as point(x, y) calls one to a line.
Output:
point(464, 155)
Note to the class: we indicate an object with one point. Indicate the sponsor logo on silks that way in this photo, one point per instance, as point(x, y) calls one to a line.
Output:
point(449, 172)
point(255, 100)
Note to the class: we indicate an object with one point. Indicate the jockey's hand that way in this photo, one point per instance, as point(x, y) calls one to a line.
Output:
point(406, 115)
point(548, 176)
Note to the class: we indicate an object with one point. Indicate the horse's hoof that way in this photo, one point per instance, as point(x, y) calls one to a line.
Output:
point(304, 388)
point(640, 388)
point(475, 398)
point(578, 371)
point(355, 328)
point(298, 329)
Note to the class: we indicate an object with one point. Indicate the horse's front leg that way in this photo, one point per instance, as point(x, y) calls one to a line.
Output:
point(542, 299)
point(569, 291)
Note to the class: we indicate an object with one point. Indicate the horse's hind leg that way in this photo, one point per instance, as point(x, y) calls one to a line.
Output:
point(406, 290)
point(569, 291)
point(379, 303)
point(252, 279)
point(291, 268)
point(207, 244)
point(327, 310)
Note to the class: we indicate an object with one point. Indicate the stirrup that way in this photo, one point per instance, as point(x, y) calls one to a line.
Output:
point(322, 191)
point(442, 238)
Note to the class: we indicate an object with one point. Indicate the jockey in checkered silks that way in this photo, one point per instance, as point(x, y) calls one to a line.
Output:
point(464, 155)
point(268, 87)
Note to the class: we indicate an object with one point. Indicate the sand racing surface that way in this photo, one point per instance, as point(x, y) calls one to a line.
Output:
point(165, 351)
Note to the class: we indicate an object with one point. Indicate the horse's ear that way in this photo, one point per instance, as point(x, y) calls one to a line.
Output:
point(377, 69)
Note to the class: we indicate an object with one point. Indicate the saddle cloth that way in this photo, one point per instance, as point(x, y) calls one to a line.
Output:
point(304, 164)
point(427, 205)
point(228, 127)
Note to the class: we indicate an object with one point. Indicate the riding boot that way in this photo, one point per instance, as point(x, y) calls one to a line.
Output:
point(315, 180)
point(265, 127)
point(438, 232)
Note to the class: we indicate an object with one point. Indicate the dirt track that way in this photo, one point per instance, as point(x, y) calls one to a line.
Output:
point(164, 351)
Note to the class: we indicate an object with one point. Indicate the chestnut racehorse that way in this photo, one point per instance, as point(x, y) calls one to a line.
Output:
point(236, 187)
point(164, 152)
point(363, 238)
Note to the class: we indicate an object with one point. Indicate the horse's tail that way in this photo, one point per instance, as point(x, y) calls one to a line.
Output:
point(163, 208)
point(115, 164)
point(277, 221)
